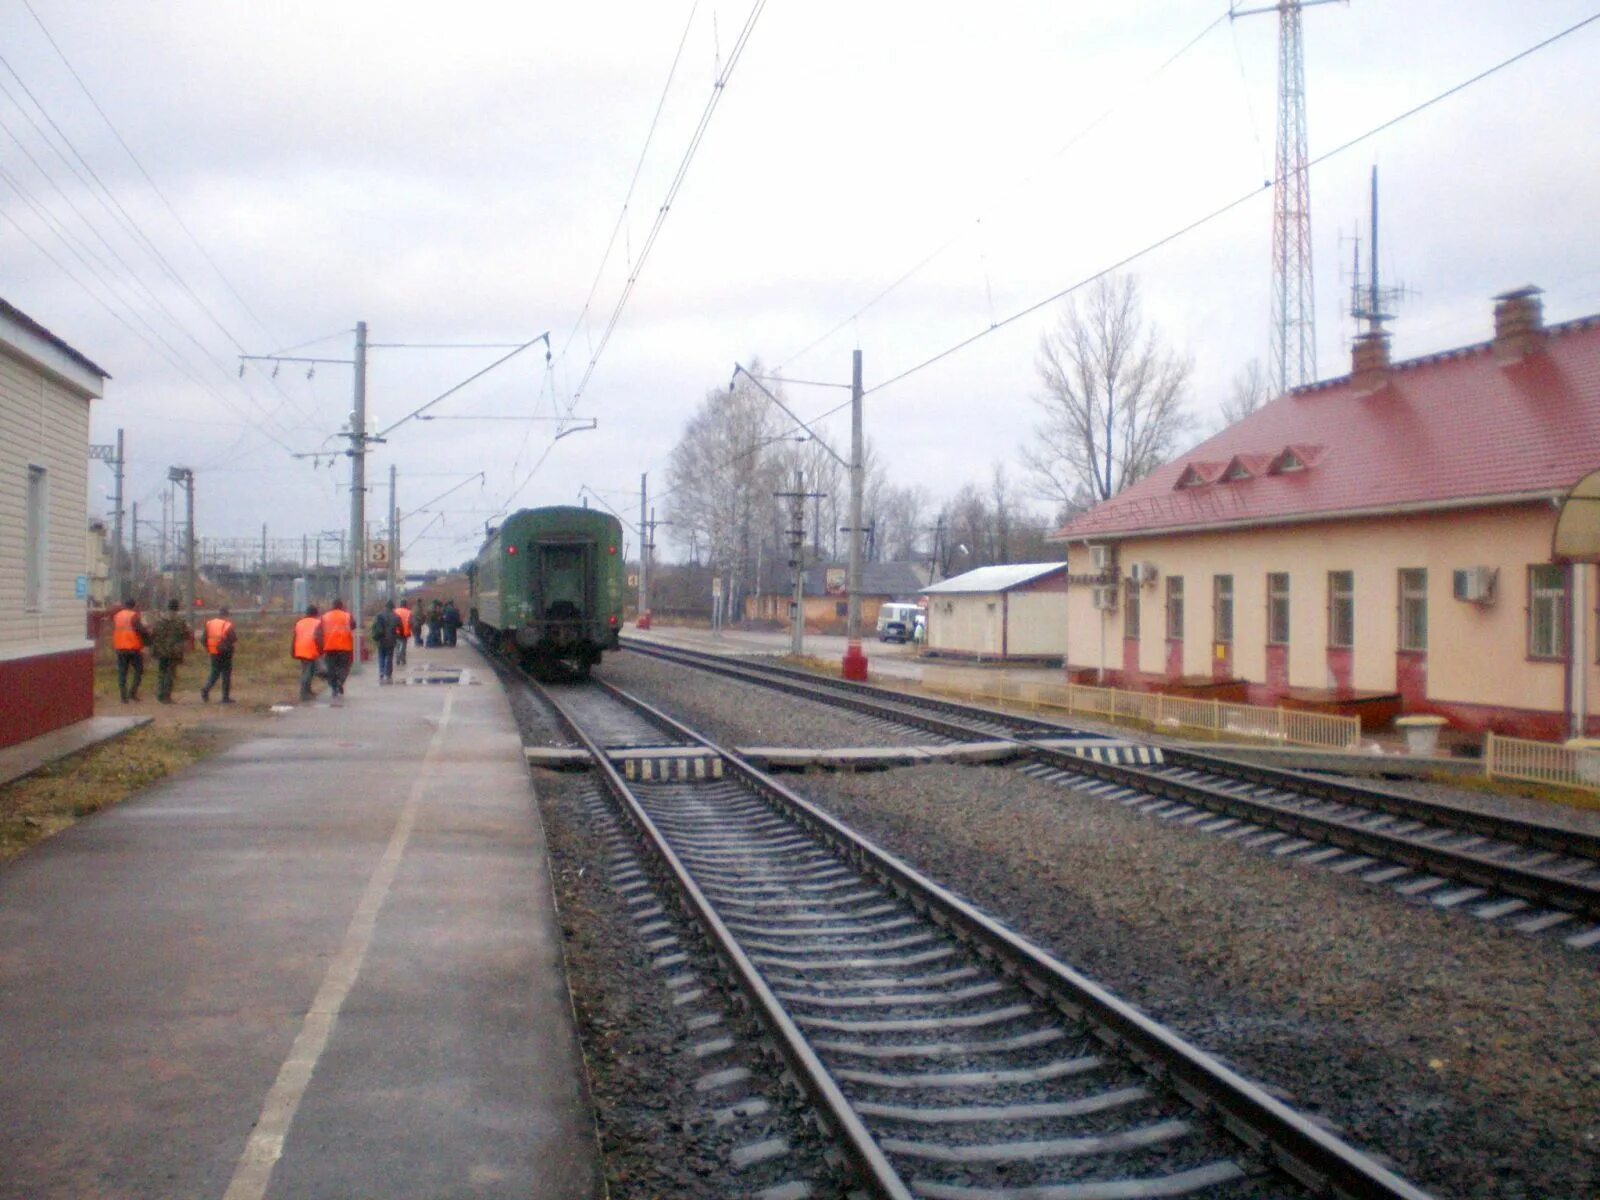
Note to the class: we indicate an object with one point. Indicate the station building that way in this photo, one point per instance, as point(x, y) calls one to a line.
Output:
point(46, 657)
point(1377, 543)
point(1011, 613)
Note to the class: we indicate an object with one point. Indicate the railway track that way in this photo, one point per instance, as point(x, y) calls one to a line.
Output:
point(949, 1057)
point(1534, 877)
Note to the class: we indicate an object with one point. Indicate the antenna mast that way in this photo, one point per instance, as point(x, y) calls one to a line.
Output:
point(1294, 325)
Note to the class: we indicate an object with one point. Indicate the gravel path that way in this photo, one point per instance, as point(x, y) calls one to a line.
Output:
point(1467, 1054)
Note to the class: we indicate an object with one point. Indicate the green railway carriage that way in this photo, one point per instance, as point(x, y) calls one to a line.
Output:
point(548, 588)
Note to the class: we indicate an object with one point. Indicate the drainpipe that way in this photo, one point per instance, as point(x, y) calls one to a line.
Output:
point(1578, 672)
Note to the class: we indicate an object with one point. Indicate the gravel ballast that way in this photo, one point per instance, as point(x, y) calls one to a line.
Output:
point(1465, 1053)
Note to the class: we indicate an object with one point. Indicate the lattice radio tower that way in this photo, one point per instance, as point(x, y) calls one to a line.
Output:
point(1294, 322)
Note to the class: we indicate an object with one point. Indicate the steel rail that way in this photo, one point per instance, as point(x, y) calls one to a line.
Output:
point(868, 1159)
point(1550, 887)
point(1321, 1162)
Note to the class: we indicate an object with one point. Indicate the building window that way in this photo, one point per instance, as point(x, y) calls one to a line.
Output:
point(1175, 607)
point(1130, 614)
point(1341, 609)
point(841, 608)
point(1278, 608)
point(1414, 609)
point(36, 543)
point(1222, 608)
point(1547, 601)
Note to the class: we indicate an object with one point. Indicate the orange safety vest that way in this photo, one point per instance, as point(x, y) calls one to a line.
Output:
point(123, 634)
point(305, 638)
point(336, 631)
point(405, 621)
point(216, 629)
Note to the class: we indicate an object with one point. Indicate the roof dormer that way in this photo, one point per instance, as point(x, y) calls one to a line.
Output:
point(1198, 474)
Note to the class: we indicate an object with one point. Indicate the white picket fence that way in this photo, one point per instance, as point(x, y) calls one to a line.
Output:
point(1162, 713)
point(1541, 762)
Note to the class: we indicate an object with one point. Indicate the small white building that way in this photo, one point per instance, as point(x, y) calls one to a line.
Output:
point(1007, 613)
point(46, 656)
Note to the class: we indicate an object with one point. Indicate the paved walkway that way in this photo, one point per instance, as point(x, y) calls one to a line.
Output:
point(325, 963)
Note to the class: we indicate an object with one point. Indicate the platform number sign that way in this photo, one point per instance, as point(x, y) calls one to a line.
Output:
point(378, 554)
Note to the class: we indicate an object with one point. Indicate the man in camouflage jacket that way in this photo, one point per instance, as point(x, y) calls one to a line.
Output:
point(168, 640)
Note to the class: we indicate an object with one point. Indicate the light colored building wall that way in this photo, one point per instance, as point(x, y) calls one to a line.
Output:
point(1477, 654)
point(42, 424)
point(964, 623)
point(1038, 622)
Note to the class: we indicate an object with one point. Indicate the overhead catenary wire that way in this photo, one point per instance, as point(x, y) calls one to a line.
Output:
point(718, 87)
point(95, 186)
point(965, 229)
point(1219, 212)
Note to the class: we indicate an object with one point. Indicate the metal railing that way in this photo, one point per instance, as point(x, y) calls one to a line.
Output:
point(1541, 762)
point(1159, 712)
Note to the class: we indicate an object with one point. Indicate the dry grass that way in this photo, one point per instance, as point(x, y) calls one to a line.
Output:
point(51, 799)
point(180, 734)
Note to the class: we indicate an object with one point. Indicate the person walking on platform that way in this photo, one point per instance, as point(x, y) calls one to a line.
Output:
point(419, 618)
point(220, 639)
point(129, 637)
point(436, 624)
point(385, 634)
point(451, 617)
point(168, 640)
point(403, 613)
point(338, 645)
point(306, 646)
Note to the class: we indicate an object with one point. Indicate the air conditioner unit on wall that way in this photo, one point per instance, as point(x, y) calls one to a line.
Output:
point(1475, 584)
point(1105, 597)
point(1101, 557)
point(1142, 572)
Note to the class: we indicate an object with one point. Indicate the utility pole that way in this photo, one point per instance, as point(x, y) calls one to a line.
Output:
point(133, 548)
point(266, 578)
point(394, 538)
point(1294, 324)
point(184, 478)
point(112, 455)
point(797, 562)
point(358, 492)
point(854, 665)
point(645, 544)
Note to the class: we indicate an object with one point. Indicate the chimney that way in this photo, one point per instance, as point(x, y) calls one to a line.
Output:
point(1518, 324)
point(1369, 360)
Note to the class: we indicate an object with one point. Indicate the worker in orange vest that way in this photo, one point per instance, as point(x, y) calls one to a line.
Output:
point(220, 639)
point(338, 645)
point(129, 636)
point(306, 646)
point(403, 612)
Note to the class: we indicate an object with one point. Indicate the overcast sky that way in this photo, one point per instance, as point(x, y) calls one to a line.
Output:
point(454, 175)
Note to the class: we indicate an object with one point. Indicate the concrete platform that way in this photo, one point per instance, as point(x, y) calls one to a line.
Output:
point(37, 753)
point(324, 963)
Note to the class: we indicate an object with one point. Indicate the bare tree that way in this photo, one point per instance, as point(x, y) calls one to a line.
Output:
point(1114, 397)
point(721, 477)
point(1251, 389)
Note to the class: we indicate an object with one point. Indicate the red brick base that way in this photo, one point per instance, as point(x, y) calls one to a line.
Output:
point(44, 693)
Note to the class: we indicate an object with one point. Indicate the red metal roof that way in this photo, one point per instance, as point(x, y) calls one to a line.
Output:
point(1445, 429)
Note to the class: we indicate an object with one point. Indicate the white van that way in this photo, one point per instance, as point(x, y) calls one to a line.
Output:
point(897, 621)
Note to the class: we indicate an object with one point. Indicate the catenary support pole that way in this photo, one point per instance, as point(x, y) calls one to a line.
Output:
point(394, 539)
point(645, 538)
point(120, 574)
point(854, 665)
point(358, 490)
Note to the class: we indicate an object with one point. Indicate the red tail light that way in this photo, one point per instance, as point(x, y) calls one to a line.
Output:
point(611, 549)
point(511, 549)
point(613, 622)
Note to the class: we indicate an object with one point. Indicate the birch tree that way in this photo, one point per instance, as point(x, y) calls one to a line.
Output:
point(1114, 398)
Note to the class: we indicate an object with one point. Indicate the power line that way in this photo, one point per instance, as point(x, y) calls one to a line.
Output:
point(627, 198)
point(717, 89)
point(1224, 209)
point(965, 229)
